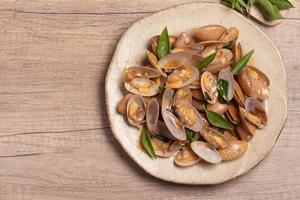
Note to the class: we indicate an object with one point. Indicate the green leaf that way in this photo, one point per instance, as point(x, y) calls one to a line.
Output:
point(146, 141)
point(222, 88)
point(206, 61)
point(233, 3)
point(282, 4)
point(269, 11)
point(218, 121)
point(162, 89)
point(207, 97)
point(189, 135)
point(242, 63)
point(163, 45)
point(250, 3)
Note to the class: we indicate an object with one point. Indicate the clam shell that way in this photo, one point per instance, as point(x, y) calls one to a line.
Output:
point(237, 52)
point(162, 130)
point(183, 40)
point(221, 61)
point(167, 100)
point(152, 114)
point(175, 60)
point(140, 71)
point(161, 148)
point(197, 94)
point(230, 35)
point(254, 83)
point(230, 135)
point(154, 62)
point(233, 113)
point(209, 87)
point(257, 111)
point(209, 32)
point(239, 96)
point(217, 107)
point(206, 152)
point(123, 104)
point(179, 145)
point(142, 86)
point(214, 138)
point(199, 105)
point(180, 78)
point(246, 124)
point(186, 157)
point(234, 151)
point(175, 127)
point(183, 95)
point(225, 74)
point(243, 133)
point(136, 110)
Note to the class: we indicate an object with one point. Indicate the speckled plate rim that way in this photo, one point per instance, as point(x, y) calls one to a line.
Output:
point(110, 117)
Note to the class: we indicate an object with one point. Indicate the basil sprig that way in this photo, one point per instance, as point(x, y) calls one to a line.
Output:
point(189, 134)
point(282, 4)
point(206, 61)
point(222, 88)
point(242, 63)
point(163, 45)
point(146, 142)
point(218, 121)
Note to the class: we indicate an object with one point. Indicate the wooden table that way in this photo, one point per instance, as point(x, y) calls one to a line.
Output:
point(55, 140)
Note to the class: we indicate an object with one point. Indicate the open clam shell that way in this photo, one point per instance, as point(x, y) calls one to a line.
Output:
point(239, 96)
point(186, 157)
point(237, 52)
point(152, 114)
point(136, 110)
point(179, 145)
point(233, 113)
point(140, 71)
point(197, 94)
point(182, 77)
point(209, 87)
point(123, 104)
point(230, 35)
point(206, 152)
point(183, 40)
point(254, 83)
point(221, 61)
point(209, 32)
point(142, 86)
point(225, 74)
point(243, 133)
point(235, 150)
point(244, 121)
point(199, 105)
point(214, 138)
point(175, 127)
point(175, 60)
point(161, 148)
point(154, 62)
point(256, 112)
point(162, 130)
point(217, 107)
point(182, 95)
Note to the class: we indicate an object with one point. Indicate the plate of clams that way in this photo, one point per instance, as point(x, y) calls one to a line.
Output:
point(196, 97)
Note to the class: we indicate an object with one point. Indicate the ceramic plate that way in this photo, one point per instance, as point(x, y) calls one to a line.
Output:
point(131, 50)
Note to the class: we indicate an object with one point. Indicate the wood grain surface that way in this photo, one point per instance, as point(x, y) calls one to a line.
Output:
point(55, 140)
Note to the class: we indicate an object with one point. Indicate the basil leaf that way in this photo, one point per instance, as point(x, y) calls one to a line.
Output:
point(162, 89)
point(233, 3)
point(282, 4)
point(218, 121)
point(269, 11)
point(163, 45)
point(189, 135)
point(242, 63)
point(146, 141)
point(222, 88)
point(206, 61)
point(250, 3)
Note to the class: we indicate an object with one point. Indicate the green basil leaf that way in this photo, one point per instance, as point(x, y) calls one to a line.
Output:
point(233, 3)
point(146, 141)
point(206, 61)
point(243, 4)
point(250, 3)
point(162, 89)
point(282, 4)
point(189, 135)
point(269, 11)
point(218, 121)
point(222, 88)
point(242, 63)
point(163, 45)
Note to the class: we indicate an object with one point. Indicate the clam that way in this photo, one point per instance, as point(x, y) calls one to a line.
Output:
point(154, 62)
point(175, 60)
point(161, 148)
point(189, 50)
point(235, 150)
point(159, 81)
point(225, 74)
point(221, 61)
point(142, 86)
point(140, 71)
point(237, 52)
point(244, 115)
point(195, 84)
point(152, 114)
point(189, 116)
point(217, 107)
point(182, 77)
point(186, 157)
point(254, 83)
point(210, 50)
point(183, 95)
point(197, 94)
point(209, 87)
point(123, 104)
point(199, 105)
point(179, 145)
point(229, 35)
point(239, 96)
point(183, 40)
point(210, 32)
point(162, 130)
point(154, 41)
point(214, 138)
point(136, 110)
point(255, 112)
point(243, 133)
point(233, 113)
point(175, 127)
point(206, 152)
point(230, 135)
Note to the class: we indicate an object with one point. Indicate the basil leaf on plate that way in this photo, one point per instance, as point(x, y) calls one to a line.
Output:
point(146, 142)
point(218, 121)
point(163, 45)
point(222, 88)
point(282, 4)
point(189, 135)
point(242, 63)
point(206, 61)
